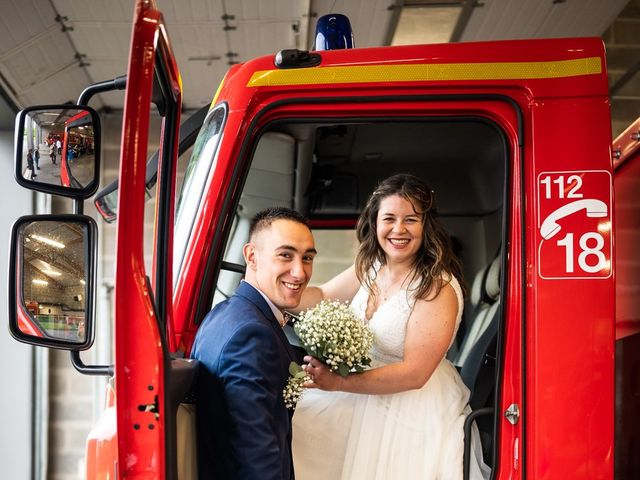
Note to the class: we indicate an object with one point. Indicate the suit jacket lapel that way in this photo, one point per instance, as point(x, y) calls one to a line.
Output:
point(249, 292)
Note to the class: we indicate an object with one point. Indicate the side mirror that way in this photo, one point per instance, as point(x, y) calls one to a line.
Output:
point(52, 269)
point(58, 149)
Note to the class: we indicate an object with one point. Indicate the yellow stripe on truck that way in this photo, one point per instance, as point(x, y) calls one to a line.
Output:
point(215, 97)
point(427, 72)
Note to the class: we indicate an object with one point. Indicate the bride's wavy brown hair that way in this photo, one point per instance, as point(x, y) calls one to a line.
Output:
point(434, 258)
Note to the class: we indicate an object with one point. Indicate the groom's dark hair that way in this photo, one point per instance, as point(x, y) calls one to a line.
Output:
point(266, 217)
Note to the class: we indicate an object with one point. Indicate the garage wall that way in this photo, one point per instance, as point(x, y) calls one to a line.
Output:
point(16, 369)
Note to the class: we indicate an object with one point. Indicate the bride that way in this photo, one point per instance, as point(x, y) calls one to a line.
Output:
point(404, 417)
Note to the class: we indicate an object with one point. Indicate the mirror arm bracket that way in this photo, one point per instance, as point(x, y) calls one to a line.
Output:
point(106, 370)
point(78, 207)
point(118, 83)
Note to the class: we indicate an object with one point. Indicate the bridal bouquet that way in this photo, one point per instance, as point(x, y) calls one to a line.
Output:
point(333, 334)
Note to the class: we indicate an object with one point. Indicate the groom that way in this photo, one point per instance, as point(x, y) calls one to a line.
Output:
point(244, 429)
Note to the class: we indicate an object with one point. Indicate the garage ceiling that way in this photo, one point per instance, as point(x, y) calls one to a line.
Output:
point(50, 50)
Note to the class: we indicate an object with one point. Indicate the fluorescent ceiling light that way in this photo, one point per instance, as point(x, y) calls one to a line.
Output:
point(420, 25)
point(37, 281)
point(52, 272)
point(48, 241)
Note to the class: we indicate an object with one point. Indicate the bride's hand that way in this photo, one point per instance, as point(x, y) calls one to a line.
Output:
point(321, 376)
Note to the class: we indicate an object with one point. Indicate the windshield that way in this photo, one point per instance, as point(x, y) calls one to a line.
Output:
point(196, 176)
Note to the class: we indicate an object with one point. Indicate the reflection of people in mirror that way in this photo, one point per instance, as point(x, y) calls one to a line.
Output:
point(30, 166)
point(52, 153)
point(81, 330)
point(36, 158)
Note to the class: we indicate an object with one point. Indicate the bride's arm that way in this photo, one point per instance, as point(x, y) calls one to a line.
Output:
point(342, 287)
point(429, 331)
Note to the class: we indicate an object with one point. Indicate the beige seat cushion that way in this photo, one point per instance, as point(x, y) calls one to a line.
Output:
point(186, 442)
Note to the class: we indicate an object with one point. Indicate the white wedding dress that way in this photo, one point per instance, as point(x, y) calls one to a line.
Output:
point(417, 434)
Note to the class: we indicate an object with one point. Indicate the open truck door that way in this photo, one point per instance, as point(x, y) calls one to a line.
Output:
point(143, 300)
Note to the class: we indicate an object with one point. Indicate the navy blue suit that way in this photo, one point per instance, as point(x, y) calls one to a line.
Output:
point(244, 429)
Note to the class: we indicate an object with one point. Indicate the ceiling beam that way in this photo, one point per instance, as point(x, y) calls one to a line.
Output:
point(463, 19)
point(624, 79)
point(393, 23)
point(79, 58)
point(69, 267)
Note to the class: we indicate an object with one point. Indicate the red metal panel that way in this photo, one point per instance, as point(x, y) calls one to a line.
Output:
point(139, 366)
point(627, 185)
point(626, 150)
point(498, 59)
point(101, 451)
point(570, 298)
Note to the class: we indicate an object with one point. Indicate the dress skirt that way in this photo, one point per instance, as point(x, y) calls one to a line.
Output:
point(416, 434)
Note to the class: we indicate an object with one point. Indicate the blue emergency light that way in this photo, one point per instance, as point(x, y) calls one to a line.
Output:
point(333, 32)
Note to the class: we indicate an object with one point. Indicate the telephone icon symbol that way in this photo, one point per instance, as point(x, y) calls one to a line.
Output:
point(594, 208)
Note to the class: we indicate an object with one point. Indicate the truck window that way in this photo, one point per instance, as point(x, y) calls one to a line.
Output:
point(196, 177)
point(270, 182)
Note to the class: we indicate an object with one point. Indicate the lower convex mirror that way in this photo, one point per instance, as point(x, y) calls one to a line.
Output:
point(52, 276)
point(58, 149)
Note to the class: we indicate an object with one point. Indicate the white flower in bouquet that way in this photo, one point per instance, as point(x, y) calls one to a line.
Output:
point(333, 334)
point(293, 390)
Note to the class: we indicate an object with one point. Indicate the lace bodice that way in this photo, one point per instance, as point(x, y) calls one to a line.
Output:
point(389, 322)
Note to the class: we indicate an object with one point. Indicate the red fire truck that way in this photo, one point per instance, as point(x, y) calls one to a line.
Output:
point(514, 138)
point(77, 140)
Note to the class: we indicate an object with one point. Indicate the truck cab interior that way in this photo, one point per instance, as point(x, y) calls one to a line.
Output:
point(327, 170)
